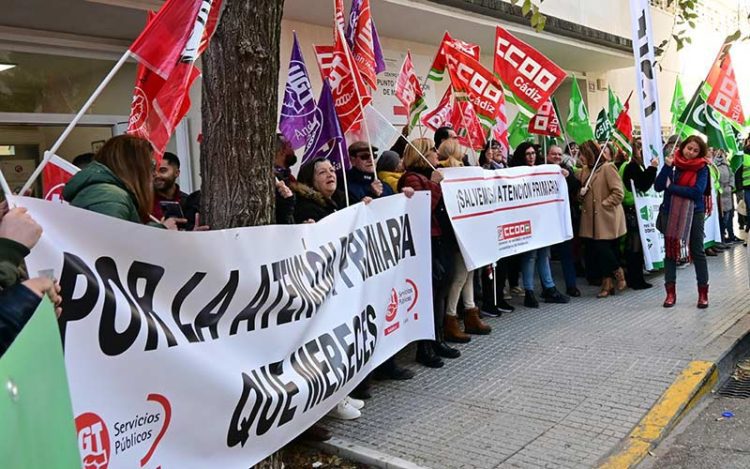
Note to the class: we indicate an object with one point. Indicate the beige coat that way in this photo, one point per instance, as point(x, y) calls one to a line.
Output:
point(602, 215)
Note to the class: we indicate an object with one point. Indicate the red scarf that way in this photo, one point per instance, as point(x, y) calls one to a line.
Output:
point(688, 169)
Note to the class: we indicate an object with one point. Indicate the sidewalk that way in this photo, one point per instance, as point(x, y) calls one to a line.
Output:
point(560, 386)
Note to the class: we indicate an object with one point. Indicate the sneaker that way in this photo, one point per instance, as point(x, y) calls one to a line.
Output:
point(530, 300)
point(504, 307)
point(344, 411)
point(491, 312)
point(518, 291)
point(551, 295)
point(507, 295)
point(356, 403)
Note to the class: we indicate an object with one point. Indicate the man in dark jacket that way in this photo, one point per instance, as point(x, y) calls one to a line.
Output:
point(166, 190)
point(361, 179)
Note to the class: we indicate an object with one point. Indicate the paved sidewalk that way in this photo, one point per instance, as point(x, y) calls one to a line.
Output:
point(560, 386)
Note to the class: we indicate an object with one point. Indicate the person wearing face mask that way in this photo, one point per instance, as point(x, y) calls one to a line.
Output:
point(684, 179)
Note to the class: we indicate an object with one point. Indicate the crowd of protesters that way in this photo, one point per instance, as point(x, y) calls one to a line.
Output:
point(124, 181)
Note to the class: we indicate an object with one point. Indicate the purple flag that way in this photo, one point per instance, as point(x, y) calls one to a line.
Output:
point(327, 138)
point(379, 59)
point(297, 120)
point(351, 29)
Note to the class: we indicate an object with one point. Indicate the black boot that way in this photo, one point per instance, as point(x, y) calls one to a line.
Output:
point(426, 355)
point(529, 300)
point(441, 348)
point(390, 370)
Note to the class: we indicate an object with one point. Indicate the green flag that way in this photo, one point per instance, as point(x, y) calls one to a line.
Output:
point(678, 102)
point(518, 132)
point(38, 429)
point(603, 130)
point(701, 117)
point(615, 106)
point(578, 125)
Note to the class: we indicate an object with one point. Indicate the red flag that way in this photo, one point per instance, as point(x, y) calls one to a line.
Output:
point(346, 83)
point(545, 121)
point(440, 116)
point(160, 104)
point(55, 175)
point(408, 88)
point(725, 96)
point(438, 65)
point(466, 124)
point(338, 16)
point(364, 48)
point(470, 80)
point(161, 44)
point(624, 128)
point(527, 72)
point(500, 130)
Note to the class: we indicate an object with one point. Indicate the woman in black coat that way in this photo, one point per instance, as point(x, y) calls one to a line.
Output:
point(316, 192)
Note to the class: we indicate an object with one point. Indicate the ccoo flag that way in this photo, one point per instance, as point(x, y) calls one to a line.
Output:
point(409, 91)
point(545, 121)
point(298, 114)
point(437, 70)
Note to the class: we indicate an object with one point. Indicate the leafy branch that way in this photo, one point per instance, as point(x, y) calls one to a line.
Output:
point(528, 8)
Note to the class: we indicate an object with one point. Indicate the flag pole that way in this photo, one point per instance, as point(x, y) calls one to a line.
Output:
point(359, 101)
point(588, 180)
point(6, 188)
point(48, 154)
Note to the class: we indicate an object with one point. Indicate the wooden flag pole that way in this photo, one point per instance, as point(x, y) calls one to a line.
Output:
point(48, 154)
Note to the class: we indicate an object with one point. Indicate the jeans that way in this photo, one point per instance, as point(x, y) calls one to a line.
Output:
point(696, 252)
point(567, 261)
point(540, 258)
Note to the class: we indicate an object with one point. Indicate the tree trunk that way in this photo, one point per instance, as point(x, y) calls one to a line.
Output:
point(240, 80)
point(240, 90)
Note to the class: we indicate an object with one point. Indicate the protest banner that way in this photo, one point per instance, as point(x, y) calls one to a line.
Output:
point(652, 241)
point(503, 212)
point(215, 349)
point(37, 429)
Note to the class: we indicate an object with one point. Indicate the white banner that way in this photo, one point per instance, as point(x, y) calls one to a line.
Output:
point(711, 226)
point(214, 349)
point(652, 241)
point(645, 77)
point(499, 213)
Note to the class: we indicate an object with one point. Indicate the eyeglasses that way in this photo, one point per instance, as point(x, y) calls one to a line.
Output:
point(530, 153)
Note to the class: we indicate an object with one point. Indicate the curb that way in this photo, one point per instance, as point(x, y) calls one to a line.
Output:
point(364, 455)
point(698, 379)
point(695, 381)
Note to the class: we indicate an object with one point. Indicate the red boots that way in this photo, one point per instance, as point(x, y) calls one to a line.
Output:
point(703, 296)
point(671, 295)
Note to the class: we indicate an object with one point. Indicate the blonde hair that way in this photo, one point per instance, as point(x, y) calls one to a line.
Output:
point(450, 153)
point(412, 159)
point(130, 158)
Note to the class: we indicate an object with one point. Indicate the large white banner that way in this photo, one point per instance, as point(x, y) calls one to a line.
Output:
point(652, 241)
point(499, 213)
point(214, 349)
point(645, 77)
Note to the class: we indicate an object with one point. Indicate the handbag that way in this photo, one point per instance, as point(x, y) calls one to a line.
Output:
point(661, 220)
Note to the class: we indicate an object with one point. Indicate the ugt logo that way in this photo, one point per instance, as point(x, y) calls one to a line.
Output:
point(93, 441)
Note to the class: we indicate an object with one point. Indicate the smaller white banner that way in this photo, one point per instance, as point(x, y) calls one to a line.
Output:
point(647, 205)
point(499, 213)
point(711, 227)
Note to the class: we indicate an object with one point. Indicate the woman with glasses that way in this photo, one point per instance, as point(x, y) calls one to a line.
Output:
point(538, 259)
